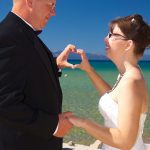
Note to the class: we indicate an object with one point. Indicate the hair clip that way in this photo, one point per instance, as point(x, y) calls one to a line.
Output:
point(133, 20)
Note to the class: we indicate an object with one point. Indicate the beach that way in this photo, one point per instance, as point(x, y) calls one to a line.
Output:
point(72, 146)
point(95, 146)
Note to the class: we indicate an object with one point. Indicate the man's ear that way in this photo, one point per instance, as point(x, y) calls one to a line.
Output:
point(129, 45)
point(29, 3)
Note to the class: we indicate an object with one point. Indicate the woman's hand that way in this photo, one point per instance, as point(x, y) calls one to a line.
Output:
point(76, 121)
point(84, 65)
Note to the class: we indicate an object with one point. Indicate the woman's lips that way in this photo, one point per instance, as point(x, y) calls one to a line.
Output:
point(107, 47)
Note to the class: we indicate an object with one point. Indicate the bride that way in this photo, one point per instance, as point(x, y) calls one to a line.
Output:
point(125, 105)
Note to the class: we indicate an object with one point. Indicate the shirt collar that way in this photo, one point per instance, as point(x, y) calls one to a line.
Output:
point(24, 21)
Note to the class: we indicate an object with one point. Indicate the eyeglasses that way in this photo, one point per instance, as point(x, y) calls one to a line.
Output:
point(116, 36)
point(52, 5)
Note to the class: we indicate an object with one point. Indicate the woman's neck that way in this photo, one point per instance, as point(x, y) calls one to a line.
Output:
point(127, 65)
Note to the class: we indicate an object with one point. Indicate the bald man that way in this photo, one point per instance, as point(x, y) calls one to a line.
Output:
point(30, 92)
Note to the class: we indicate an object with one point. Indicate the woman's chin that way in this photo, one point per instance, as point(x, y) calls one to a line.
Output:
point(108, 55)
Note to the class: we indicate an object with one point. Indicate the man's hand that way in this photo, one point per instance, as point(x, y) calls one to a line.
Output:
point(64, 125)
point(62, 58)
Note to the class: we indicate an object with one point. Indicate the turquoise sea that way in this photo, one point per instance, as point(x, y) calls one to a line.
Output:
point(80, 97)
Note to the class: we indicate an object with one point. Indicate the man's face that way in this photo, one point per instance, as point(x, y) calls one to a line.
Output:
point(42, 11)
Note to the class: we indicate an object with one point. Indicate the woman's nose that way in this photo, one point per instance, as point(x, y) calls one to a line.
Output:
point(106, 39)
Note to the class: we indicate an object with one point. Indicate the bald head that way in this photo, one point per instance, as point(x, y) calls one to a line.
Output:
point(18, 2)
point(15, 1)
point(35, 12)
point(20, 7)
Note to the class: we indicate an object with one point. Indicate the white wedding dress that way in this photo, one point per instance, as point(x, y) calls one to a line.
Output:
point(109, 110)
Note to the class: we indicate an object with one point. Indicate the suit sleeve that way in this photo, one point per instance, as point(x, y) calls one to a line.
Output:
point(14, 112)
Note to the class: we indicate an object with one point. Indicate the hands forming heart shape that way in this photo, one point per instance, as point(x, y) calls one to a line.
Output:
point(62, 59)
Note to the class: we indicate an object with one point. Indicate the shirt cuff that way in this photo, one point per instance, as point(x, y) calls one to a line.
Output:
point(59, 72)
point(56, 129)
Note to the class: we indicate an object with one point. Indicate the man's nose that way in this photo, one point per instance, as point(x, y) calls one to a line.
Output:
point(53, 12)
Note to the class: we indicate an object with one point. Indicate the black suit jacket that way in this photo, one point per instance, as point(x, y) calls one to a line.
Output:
point(30, 93)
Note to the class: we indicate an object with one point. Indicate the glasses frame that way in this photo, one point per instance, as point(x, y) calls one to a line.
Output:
point(117, 36)
point(52, 5)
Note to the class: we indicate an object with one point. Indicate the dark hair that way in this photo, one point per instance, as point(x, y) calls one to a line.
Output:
point(136, 29)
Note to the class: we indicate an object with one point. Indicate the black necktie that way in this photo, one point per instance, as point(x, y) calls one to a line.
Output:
point(37, 32)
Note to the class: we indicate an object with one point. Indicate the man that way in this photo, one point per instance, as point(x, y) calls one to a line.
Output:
point(30, 93)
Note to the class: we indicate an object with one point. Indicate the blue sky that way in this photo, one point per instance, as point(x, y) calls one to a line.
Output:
point(84, 23)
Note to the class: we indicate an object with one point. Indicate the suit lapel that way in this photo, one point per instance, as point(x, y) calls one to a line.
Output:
point(46, 61)
point(53, 64)
point(50, 57)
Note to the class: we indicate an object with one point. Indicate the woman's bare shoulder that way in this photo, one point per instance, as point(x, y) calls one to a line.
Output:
point(133, 77)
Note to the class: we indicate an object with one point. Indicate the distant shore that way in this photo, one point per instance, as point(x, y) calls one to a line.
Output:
point(104, 60)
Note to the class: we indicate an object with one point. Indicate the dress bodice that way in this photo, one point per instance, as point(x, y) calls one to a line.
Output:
point(109, 110)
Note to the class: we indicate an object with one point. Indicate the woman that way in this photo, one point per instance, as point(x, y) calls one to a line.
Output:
point(124, 107)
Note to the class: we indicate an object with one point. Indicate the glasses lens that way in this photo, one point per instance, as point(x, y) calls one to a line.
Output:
point(109, 35)
point(116, 36)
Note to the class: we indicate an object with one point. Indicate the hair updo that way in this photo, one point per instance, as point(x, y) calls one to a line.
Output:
point(136, 29)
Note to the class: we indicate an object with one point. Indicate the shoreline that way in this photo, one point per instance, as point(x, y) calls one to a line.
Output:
point(95, 146)
point(72, 146)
